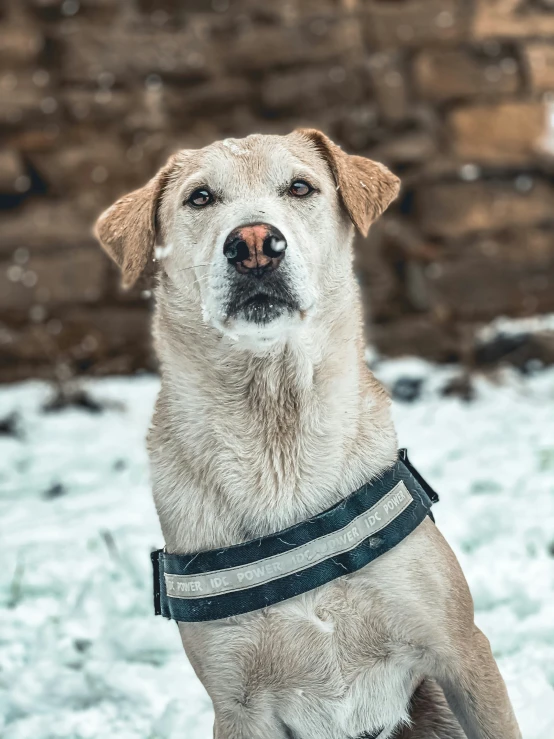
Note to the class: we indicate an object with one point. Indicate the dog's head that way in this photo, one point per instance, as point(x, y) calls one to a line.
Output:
point(257, 229)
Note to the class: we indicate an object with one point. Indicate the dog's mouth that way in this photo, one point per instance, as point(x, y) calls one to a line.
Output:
point(261, 305)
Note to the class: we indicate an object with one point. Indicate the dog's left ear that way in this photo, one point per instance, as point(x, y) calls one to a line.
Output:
point(366, 188)
point(127, 230)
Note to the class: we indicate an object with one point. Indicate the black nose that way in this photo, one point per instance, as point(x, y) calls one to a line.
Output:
point(255, 249)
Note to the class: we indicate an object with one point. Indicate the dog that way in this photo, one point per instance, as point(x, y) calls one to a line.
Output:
point(268, 415)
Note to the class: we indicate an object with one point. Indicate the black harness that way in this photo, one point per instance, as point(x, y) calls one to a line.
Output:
point(219, 583)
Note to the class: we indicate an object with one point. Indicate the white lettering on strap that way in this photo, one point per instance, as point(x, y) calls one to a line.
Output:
point(307, 555)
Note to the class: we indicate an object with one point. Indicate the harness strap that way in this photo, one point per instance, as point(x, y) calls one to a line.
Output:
point(225, 582)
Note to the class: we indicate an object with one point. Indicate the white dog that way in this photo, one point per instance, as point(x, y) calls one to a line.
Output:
point(267, 416)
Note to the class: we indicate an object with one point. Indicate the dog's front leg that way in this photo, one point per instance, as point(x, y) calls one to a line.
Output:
point(476, 692)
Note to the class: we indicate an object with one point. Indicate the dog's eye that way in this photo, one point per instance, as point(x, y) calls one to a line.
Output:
point(201, 197)
point(300, 189)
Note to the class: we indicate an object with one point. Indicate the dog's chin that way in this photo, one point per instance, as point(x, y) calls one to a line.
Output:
point(261, 322)
point(262, 310)
point(261, 338)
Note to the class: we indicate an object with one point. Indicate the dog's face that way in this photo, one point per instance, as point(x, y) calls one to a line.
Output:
point(252, 220)
point(261, 226)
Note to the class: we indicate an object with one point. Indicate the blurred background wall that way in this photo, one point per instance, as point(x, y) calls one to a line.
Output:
point(452, 94)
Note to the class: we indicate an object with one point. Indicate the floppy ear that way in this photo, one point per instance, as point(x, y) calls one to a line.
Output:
point(366, 188)
point(127, 230)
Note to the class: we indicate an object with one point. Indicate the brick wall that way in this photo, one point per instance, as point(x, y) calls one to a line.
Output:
point(452, 94)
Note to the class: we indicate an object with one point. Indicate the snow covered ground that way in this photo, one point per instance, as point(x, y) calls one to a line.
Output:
point(81, 654)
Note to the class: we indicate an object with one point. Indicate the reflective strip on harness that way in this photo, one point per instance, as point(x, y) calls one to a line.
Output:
point(226, 582)
point(265, 570)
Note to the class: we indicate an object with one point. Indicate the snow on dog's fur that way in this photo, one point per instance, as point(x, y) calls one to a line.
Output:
point(262, 423)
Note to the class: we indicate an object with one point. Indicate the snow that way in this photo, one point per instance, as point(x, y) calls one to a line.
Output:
point(234, 148)
point(503, 326)
point(161, 252)
point(82, 656)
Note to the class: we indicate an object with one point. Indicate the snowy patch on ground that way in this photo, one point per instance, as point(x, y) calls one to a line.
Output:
point(82, 656)
point(504, 326)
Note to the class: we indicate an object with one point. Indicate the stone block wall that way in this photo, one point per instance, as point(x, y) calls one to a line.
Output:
point(454, 95)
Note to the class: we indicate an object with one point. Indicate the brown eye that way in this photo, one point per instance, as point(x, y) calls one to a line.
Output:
point(300, 189)
point(201, 197)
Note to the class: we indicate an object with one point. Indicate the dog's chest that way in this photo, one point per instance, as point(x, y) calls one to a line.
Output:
point(353, 683)
point(320, 664)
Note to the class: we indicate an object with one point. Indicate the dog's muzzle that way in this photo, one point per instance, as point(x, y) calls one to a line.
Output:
point(259, 290)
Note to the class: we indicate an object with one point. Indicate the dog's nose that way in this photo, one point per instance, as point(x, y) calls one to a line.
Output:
point(255, 249)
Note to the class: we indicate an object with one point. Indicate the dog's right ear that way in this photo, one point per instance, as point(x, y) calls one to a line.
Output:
point(127, 230)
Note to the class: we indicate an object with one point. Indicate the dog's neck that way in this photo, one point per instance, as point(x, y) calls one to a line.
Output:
point(245, 443)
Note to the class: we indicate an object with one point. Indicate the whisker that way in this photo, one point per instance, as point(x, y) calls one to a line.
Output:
point(194, 266)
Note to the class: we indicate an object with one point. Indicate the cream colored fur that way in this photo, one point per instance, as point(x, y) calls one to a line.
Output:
point(258, 427)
